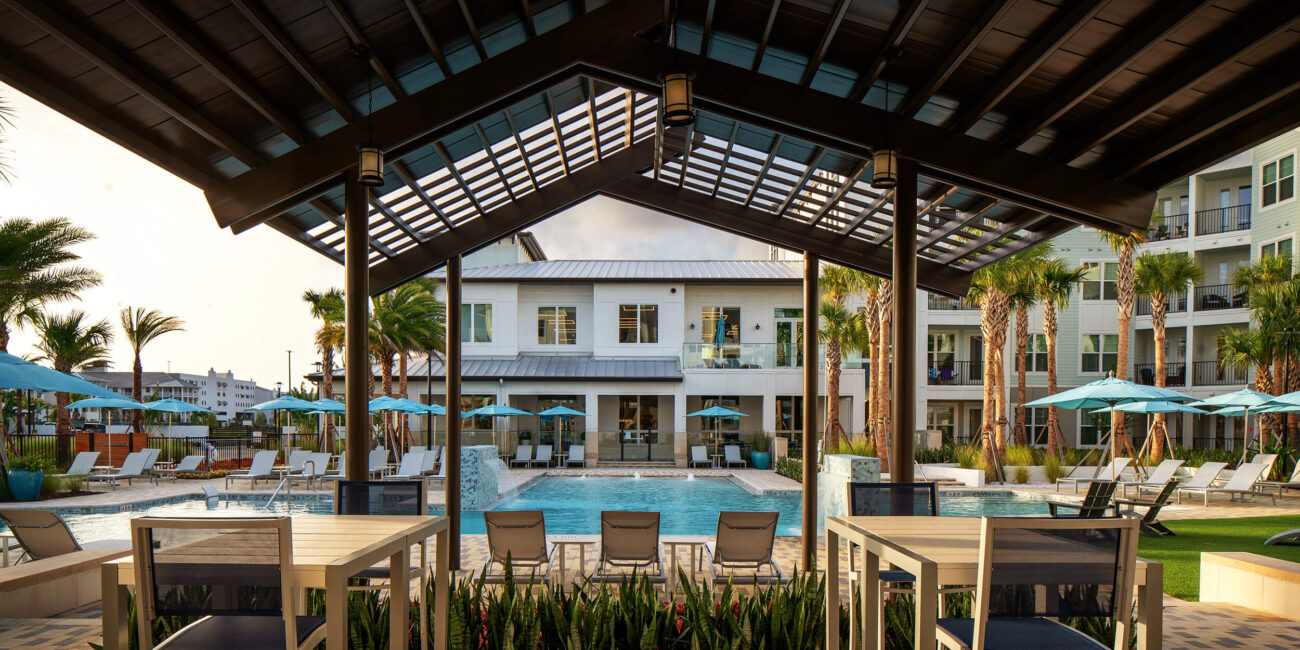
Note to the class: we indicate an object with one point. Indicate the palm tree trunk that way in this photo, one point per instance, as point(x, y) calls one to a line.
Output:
point(1125, 297)
point(63, 429)
point(386, 368)
point(1157, 444)
point(327, 392)
point(402, 420)
point(137, 392)
point(1022, 338)
point(884, 312)
point(834, 357)
point(1049, 331)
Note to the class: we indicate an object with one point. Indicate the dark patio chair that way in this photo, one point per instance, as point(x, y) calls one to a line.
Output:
point(1094, 505)
point(1148, 521)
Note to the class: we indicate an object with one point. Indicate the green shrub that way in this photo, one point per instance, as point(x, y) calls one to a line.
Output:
point(1020, 474)
point(790, 467)
point(34, 462)
point(760, 443)
point(1052, 469)
point(968, 456)
point(52, 484)
point(944, 454)
point(1017, 455)
point(860, 445)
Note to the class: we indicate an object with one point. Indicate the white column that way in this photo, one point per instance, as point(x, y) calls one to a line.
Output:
point(591, 427)
point(679, 425)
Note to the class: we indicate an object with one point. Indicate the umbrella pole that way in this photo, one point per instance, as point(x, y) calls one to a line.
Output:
point(1245, 436)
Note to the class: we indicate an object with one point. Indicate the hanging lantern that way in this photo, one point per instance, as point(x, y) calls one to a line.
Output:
point(370, 165)
point(679, 103)
point(884, 169)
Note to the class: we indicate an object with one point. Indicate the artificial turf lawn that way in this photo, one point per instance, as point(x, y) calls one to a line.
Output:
point(1181, 555)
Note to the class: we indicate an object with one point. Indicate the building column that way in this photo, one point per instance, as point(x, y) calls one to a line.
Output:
point(356, 325)
point(810, 312)
point(452, 375)
point(904, 372)
point(591, 428)
point(680, 452)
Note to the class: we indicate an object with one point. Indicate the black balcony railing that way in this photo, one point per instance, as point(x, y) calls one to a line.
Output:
point(1173, 226)
point(944, 303)
point(1218, 220)
point(1175, 374)
point(1212, 373)
point(956, 373)
point(1175, 304)
point(1212, 297)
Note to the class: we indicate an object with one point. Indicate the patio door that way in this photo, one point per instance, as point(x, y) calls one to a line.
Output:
point(789, 338)
point(975, 367)
point(638, 426)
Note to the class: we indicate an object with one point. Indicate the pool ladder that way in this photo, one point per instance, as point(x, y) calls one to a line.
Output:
point(287, 484)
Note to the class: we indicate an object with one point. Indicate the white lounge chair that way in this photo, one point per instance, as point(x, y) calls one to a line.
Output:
point(258, 470)
point(1205, 476)
point(411, 468)
point(731, 455)
point(296, 459)
point(313, 469)
point(1292, 483)
point(577, 454)
point(1157, 479)
point(523, 455)
point(377, 463)
point(150, 457)
point(1242, 483)
point(1109, 472)
point(543, 456)
point(188, 465)
point(82, 464)
point(441, 476)
point(1267, 461)
point(132, 468)
point(700, 456)
point(417, 448)
point(429, 462)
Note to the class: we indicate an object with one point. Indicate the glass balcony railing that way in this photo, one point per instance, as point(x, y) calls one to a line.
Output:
point(753, 356)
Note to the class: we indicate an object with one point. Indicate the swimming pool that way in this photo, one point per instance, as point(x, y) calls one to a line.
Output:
point(572, 506)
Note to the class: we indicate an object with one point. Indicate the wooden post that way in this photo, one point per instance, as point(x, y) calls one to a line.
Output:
point(452, 375)
point(810, 315)
point(356, 322)
point(904, 366)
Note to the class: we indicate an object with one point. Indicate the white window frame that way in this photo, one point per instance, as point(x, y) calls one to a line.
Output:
point(1078, 433)
point(639, 306)
point(1103, 263)
point(1278, 161)
point(929, 354)
point(470, 321)
point(1101, 366)
point(1259, 250)
point(1029, 357)
point(555, 313)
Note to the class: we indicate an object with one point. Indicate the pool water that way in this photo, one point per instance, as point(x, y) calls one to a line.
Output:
point(572, 506)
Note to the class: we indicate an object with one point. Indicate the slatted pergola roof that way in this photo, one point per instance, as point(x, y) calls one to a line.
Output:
point(1023, 117)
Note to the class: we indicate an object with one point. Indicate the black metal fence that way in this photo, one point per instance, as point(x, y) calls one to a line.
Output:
point(1175, 373)
point(232, 445)
point(956, 373)
point(1172, 226)
point(1212, 373)
point(1219, 220)
point(1212, 297)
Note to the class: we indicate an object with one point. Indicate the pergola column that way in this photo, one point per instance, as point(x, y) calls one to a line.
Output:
point(356, 325)
point(452, 356)
point(904, 367)
point(809, 524)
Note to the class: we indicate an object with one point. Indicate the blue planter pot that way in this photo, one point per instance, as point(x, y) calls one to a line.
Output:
point(25, 484)
point(760, 459)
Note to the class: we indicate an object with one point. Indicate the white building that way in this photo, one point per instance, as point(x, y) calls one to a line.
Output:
point(220, 392)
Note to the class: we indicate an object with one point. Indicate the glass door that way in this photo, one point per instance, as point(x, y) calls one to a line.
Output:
point(789, 338)
point(638, 424)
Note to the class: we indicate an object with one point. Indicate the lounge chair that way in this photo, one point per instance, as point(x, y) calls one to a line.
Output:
point(1241, 484)
point(629, 541)
point(82, 464)
point(1015, 561)
point(150, 458)
point(258, 470)
point(411, 469)
point(313, 469)
point(250, 607)
point(296, 459)
point(419, 448)
point(731, 455)
point(1204, 476)
point(577, 454)
point(543, 456)
point(742, 551)
point(1149, 521)
point(429, 462)
point(1095, 504)
point(523, 455)
point(377, 462)
point(1267, 460)
point(44, 534)
point(133, 467)
point(1157, 479)
point(188, 465)
point(1108, 472)
point(1284, 536)
point(1292, 483)
point(520, 537)
point(700, 456)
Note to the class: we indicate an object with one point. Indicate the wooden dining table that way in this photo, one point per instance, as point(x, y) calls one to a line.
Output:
point(941, 551)
point(327, 550)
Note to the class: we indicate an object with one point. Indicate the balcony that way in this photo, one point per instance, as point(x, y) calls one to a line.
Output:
point(944, 303)
point(956, 373)
point(1211, 373)
point(1176, 304)
point(1175, 374)
point(1173, 226)
point(1221, 220)
point(1214, 297)
point(754, 356)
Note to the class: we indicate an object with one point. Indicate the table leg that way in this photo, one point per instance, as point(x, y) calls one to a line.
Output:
point(424, 594)
point(563, 551)
point(582, 559)
point(672, 578)
point(442, 567)
point(695, 549)
point(1151, 606)
point(832, 590)
point(871, 633)
point(927, 596)
point(114, 599)
point(336, 609)
point(5, 543)
point(399, 598)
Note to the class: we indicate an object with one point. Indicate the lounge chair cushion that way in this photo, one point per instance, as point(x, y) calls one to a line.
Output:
point(1020, 634)
point(243, 632)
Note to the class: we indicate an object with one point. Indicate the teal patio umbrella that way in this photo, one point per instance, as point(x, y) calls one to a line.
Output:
point(716, 412)
point(1247, 400)
point(20, 374)
point(1108, 393)
point(284, 403)
point(328, 406)
point(108, 403)
point(495, 411)
point(172, 405)
point(558, 412)
point(1149, 408)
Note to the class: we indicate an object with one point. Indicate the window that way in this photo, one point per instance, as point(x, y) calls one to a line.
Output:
point(1099, 352)
point(1092, 426)
point(475, 323)
point(942, 418)
point(1278, 181)
point(469, 403)
point(1099, 280)
point(557, 325)
point(720, 325)
point(1036, 353)
point(720, 424)
point(638, 418)
point(1035, 424)
point(941, 348)
point(789, 337)
point(789, 413)
point(1281, 247)
point(638, 323)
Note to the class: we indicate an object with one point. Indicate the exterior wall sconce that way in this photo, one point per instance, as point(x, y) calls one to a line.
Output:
point(370, 165)
point(692, 325)
point(757, 326)
point(884, 169)
point(679, 100)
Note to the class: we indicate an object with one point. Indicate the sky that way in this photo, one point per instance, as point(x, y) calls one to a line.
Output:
point(158, 246)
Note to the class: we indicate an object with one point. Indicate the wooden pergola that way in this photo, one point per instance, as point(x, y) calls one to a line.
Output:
point(1014, 121)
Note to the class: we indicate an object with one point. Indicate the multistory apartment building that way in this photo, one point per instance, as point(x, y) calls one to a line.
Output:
point(220, 392)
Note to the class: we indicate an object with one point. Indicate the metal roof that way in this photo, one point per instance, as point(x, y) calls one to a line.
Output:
point(560, 368)
point(637, 270)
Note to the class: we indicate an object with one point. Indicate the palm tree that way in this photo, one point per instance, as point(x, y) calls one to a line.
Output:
point(1159, 277)
point(1264, 281)
point(882, 378)
point(6, 122)
point(1056, 280)
point(990, 289)
point(33, 271)
point(328, 307)
point(871, 319)
point(1241, 347)
point(1124, 246)
point(69, 342)
point(1022, 296)
point(402, 320)
point(836, 283)
point(841, 329)
point(142, 327)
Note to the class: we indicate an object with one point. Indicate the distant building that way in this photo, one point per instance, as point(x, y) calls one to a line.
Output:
point(221, 392)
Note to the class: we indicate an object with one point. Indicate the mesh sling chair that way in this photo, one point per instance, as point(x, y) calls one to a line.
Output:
point(1094, 505)
point(520, 536)
point(44, 534)
point(629, 541)
point(237, 574)
point(744, 544)
point(1035, 570)
point(1149, 521)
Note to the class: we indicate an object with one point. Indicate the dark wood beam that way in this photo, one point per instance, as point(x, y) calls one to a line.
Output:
point(767, 35)
point(813, 160)
point(412, 182)
point(526, 13)
point(589, 87)
point(298, 234)
point(974, 214)
point(819, 55)
point(523, 152)
point(510, 217)
point(373, 198)
point(1057, 30)
point(987, 19)
point(983, 167)
point(769, 228)
point(1008, 227)
point(358, 37)
point(455, 173)
point(888, 47)
point(429, 41)
point(726, 158)
point(427, 115)
point(767, 164)
point(265, 24)
point(708, 27)
point(686, 153)
point(93, 46)
point(555, 128)
point(473, 29)
point(181, 32)
point(1261, 22)
point(849, 182)
point(865, 213)
point(335, 216)
point(496, 165)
